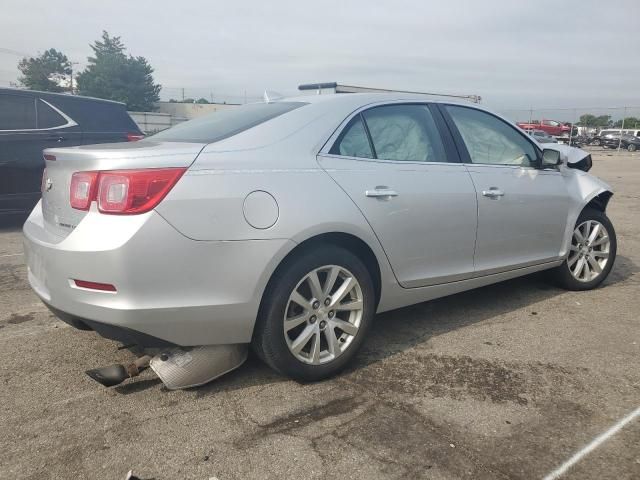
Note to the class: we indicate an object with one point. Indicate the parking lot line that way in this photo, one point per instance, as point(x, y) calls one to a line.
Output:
point(595, 443)
point(12, 255)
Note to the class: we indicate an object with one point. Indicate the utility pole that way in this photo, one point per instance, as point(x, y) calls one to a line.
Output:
point(573, 122)
point(183, 94)
point(71, 83)
point(622, 128)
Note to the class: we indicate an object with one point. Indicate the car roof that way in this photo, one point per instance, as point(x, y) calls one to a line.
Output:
point(56, 94)
point(359, 100)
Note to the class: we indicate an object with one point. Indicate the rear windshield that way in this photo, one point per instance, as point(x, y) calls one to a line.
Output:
point(225, 124)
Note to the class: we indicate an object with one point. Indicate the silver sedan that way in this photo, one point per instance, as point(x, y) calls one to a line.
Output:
point(287, 225)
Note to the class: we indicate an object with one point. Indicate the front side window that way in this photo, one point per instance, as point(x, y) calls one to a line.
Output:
point(17, 112)
point(490, 140)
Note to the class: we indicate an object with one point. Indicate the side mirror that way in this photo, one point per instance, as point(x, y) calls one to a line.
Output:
point(550, 158)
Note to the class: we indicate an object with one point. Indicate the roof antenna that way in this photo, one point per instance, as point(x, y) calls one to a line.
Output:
point(270, 96)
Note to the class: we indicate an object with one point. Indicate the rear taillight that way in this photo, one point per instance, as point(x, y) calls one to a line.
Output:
point(123, 191)
point(83, 189)
point(134, 137)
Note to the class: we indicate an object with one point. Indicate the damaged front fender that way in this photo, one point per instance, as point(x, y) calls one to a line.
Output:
point(584, 189)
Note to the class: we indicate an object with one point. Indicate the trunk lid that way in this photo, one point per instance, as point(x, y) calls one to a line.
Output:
point(59, 217)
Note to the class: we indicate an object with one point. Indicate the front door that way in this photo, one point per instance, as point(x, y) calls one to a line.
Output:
point(420, 202)
point(522, 210)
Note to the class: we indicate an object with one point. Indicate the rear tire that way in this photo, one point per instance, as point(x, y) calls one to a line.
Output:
point(309, 338)
point(632, 147)
point(592, 253)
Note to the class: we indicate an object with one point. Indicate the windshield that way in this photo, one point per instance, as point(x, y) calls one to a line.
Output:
point(227, 123)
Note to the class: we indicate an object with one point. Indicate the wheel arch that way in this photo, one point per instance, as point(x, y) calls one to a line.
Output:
point(600, 201)
point(348, 241)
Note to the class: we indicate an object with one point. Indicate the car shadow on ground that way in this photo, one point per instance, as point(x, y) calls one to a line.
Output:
point(399, 330)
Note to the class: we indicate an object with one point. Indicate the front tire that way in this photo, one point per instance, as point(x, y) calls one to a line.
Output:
point(631, 147)
point(591, 254)
point(315, 314)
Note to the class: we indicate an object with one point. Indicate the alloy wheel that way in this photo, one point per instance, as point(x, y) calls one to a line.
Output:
point(323, 314)
point(589, 251)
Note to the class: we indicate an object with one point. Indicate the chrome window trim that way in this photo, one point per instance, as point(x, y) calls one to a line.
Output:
point(69, 121)
point(378, 160)
point(513, 167)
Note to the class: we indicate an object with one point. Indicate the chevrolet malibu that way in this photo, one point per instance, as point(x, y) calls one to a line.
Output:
point(287, 225)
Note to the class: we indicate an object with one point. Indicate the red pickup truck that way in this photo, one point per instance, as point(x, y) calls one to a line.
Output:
point(552, 127)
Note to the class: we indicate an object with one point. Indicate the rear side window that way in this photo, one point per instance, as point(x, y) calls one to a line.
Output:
point(96, 115)
point(405, 133)
point(225, 124)
point(17, 112)
point(353, 141)
point(48, 117)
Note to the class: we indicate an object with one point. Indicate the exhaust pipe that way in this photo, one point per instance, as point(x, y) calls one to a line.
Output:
point(116, 374)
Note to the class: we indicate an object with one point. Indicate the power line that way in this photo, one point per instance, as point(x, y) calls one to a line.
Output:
point(18, 53)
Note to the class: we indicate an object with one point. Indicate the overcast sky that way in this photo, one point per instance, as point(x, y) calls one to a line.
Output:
point(513, 53)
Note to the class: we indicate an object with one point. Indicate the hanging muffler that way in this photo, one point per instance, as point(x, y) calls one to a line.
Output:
point(116, 374)
point(180, 367)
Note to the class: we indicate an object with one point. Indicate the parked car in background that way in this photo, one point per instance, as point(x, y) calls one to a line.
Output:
point(552, 127)
point(606, 137)
point(31, 121)
point(542, 136)
point(287, 225)
point(594, 139)
point(628, 142)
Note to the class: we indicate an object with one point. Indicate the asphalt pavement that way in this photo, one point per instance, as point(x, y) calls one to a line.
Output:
point(504, 382)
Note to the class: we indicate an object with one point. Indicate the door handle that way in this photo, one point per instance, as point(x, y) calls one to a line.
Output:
point(381, 192)
point(493, 192)
point(56, 138)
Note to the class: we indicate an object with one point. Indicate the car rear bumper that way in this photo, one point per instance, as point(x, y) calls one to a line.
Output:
point(168, 286)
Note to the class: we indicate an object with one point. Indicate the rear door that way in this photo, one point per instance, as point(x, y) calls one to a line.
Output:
point(404, 177)
point(20, 153)
point(522, 210)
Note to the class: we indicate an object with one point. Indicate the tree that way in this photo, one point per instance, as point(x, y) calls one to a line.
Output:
point(202, 100)
point(629, 122)
point(589, 120)
point(46, 72)
point(603, 121)
point(113, 75)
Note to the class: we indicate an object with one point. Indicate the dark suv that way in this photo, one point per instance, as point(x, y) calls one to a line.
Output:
point(628, 142)
point(31, 121)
